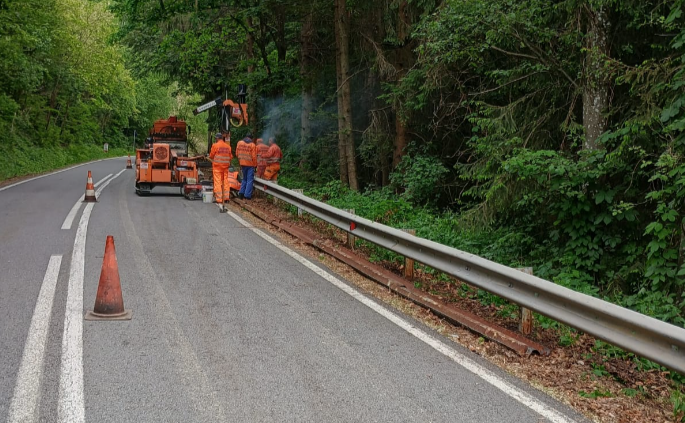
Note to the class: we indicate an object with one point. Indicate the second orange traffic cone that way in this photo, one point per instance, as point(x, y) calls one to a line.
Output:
point(90, 190)
point(128, 163)
point(109, 303)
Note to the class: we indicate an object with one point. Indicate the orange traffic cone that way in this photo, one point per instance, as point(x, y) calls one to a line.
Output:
point(128, 163)
point(90, 189)
point(109, 304)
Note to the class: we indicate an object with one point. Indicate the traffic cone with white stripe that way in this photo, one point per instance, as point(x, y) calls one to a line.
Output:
point(109, 303)
point(90, 190)
point(128, 163)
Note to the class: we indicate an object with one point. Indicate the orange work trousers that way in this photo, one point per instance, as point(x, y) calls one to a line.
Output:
point(260, 170)
point(222, 187)
point(271, 172)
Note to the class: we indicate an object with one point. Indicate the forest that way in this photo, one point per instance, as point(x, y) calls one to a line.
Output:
point(66, 88)
point(533, 133)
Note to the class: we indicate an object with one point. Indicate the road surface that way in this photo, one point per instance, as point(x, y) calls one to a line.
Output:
point(228, 324)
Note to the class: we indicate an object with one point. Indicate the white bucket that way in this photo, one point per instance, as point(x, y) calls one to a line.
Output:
point(207, 196)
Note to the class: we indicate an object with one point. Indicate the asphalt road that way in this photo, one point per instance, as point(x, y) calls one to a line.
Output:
point(228, 325)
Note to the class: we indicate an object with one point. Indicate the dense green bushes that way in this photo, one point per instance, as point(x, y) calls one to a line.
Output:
point(538, 133)
point(31, 160)
point(64, 86)
point(513, 246)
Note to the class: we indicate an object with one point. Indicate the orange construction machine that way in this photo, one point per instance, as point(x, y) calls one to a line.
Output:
point(170, 131)
point(164, 161)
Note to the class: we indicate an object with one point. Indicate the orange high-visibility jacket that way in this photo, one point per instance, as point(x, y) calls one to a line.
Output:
point(221, 155)
point(233, 181)
point(273, 155)
point(261, 151)
point(247, 153)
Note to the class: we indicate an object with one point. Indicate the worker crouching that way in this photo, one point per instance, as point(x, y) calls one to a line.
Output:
point(233, 182)
point(246, 151)
point(273, 161)
point(221, 157)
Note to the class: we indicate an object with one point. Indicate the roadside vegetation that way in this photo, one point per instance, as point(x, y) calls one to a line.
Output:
point(533, 133)
point(66, 88)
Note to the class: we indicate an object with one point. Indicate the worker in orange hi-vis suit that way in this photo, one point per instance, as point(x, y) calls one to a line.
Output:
point(233, 182)
point(221, 157)
point(273, 161)
point(246, 151)
point(261, 161)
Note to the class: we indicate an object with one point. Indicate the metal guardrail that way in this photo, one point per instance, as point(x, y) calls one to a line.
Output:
point(645, 336)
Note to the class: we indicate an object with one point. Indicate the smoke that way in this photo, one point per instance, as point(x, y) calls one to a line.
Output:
point(281, 119)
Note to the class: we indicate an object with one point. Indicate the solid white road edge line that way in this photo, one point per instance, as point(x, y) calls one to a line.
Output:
point(72, 213)
point(54, 173)
point(524, 398)
point(71, 407)
point(24, 405)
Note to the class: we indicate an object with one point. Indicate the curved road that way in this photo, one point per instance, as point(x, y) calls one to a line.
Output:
point(228, 324)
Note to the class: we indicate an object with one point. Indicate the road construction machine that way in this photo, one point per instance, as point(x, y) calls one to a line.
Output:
point(172, 131)
point(164, 161)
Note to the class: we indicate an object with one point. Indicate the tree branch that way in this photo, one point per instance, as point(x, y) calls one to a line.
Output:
point(510, 53)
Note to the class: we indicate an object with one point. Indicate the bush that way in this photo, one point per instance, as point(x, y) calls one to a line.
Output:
point(28, 160)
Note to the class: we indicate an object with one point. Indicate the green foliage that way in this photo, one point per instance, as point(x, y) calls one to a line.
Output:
point(420, 177)
point(597, 393)
point(678, 401)
point(26, 161)
point(496, 98)
point(631, 393)
point(64, 86)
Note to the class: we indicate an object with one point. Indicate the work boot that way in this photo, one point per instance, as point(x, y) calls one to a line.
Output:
point(241, 195)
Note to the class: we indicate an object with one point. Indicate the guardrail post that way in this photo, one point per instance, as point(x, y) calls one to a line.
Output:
point(409, 263)
point(526, 323)
point(351, 239)
point(299, 210)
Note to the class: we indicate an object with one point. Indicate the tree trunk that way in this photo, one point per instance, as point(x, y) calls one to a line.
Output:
point(346, 140)
point(342, 148)
point(281, 44)
point(52, 104)
point(210, 136)
point(596, 87)
point(261, 43)
point(403, 60)
point(678, 284)
point(65, 119)
point(250, 45)
point(400, 141)
point(305, 62)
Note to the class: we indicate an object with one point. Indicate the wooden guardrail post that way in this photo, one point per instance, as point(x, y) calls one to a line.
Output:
point(351, 239)
point(526, 322)
point(300, 212)
point(409, 263)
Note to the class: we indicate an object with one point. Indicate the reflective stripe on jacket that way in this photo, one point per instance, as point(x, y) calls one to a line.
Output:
point(221, 154)
point(233, 181)
point(273, 155)
point(247, 153)
point(261, 152)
